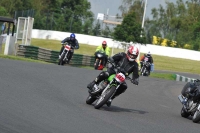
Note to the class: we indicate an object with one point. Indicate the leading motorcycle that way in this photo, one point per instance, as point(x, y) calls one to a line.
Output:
point(65, 54)
point(99, 60)
point(103, 91)
point(190, 99)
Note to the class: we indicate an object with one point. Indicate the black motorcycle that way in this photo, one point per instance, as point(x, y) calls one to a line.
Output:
point(99, 60)
point(103, 91)
point(190, 98)
point(144, 71)
point(65, 54)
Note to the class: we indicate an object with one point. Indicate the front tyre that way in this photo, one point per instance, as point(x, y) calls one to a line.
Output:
point(184, 113)
point(90, 100)
point(61, 62)
point(105, 97)
point(96, 64)
point(196, 116)
point(142, 71)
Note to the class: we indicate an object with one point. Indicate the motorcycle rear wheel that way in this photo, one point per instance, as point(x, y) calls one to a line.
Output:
point(105, 97)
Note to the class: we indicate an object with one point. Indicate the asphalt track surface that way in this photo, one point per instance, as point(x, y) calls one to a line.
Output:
point(46, 98)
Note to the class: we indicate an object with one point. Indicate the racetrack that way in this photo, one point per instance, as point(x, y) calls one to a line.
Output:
point(47, 98)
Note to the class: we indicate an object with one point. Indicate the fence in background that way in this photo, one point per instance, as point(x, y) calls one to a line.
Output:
point(184, 79)
point(51, 56)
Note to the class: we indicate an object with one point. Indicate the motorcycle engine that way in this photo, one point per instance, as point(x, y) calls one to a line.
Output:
point(191, 105)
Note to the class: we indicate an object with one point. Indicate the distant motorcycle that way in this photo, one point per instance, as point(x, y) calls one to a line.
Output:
point(190, 98)
point(145, 64)
point(100, 55)
point(65, 54)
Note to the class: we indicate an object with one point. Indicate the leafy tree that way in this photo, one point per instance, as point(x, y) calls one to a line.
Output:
point(3, 11)
point(129, 30)
point(133, 6)
point(106, 32)
point(97, 29)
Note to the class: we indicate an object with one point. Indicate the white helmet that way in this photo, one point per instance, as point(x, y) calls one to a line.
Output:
point(149, 54)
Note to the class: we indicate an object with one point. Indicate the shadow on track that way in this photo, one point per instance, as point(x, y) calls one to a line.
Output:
point(119, 109)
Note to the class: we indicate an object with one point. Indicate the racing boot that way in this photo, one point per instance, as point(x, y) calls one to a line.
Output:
point(109, 102)
point(114, 96)
point(91, 85)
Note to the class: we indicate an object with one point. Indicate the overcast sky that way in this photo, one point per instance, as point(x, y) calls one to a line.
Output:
point(101, 6)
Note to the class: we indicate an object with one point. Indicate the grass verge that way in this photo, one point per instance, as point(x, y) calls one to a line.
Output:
point(167, 76)
point(20, 58)
point(160, 62)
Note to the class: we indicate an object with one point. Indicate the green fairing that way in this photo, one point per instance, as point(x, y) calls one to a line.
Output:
point(111, 77)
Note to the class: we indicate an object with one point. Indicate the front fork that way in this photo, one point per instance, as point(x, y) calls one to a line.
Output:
point(110, 85)
point(99, 61)
point(66, 53)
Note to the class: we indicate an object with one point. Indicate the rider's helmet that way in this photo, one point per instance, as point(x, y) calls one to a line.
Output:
point(148, 54)
point(132, 53)
point(104, 44)
point(72, 36)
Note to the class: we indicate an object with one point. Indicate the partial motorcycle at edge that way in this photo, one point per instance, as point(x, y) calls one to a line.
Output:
point(190, 99)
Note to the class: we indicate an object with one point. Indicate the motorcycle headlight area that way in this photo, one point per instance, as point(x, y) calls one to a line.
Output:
point(99, 55)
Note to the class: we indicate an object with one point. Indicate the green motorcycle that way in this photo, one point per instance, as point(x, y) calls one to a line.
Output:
point(103, 91)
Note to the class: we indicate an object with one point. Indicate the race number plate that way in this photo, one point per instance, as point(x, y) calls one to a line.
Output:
point(146, 59)
point(67, 47)
point(120, 77)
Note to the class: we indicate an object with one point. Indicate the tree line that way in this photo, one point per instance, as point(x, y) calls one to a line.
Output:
point(179, 21)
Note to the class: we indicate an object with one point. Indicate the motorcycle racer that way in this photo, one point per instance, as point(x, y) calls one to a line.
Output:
point(125, 61)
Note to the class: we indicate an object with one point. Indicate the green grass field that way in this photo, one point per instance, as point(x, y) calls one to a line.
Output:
point(160, 62)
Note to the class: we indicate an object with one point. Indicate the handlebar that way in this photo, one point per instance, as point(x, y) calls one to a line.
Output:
point(66, 43)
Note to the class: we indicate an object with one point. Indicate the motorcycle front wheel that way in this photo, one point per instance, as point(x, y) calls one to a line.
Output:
point(196, 116)
point(105, 97)
point(96, 64)
point(61, 62)
point(142, 71)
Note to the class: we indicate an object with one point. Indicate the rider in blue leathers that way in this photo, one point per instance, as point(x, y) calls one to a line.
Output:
point(71, 40)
